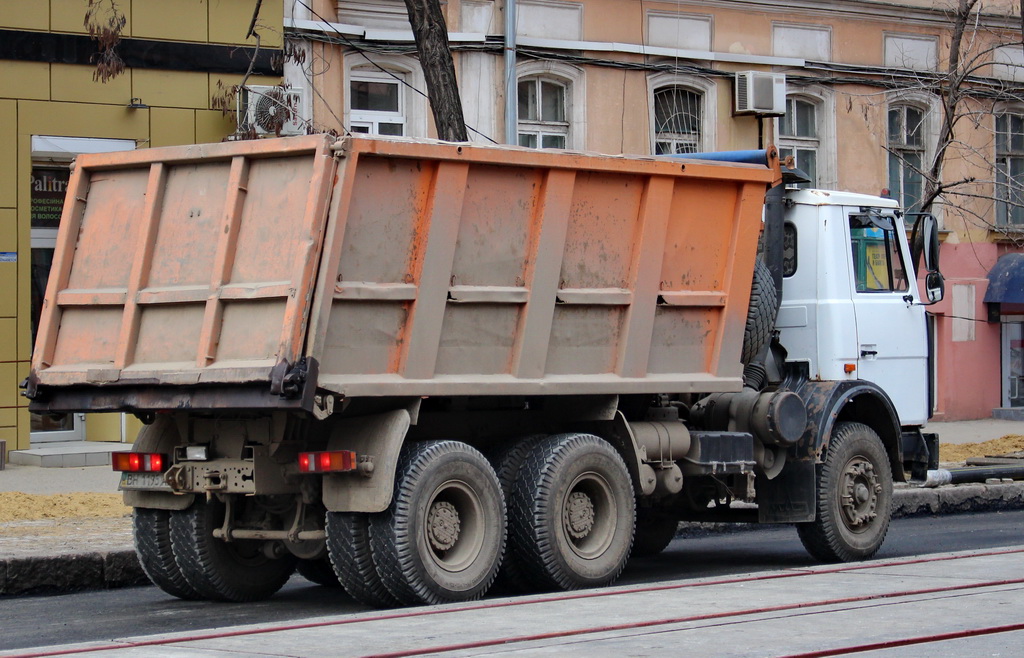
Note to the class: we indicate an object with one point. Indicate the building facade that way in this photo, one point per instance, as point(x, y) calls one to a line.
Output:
point(863, 113)
point(178, 56)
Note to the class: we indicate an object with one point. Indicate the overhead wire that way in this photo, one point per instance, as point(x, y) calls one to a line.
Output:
point(831, 74)
point(349, 42)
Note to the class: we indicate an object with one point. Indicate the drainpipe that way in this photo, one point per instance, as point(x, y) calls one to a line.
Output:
point(511, 87)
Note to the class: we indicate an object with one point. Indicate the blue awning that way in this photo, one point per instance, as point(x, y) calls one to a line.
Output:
point(1006, 280)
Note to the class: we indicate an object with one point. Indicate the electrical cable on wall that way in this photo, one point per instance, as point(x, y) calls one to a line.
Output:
point(343, 39)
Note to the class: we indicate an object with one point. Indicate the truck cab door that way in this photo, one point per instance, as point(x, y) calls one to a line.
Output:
point(891, 325)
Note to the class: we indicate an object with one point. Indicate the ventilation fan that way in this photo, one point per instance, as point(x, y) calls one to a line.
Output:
point(270, 110)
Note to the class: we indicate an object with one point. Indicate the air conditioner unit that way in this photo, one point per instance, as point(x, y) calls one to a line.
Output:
point(758, 92)
point(270, 110)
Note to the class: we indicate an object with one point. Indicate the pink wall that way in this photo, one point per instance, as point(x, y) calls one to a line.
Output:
point(968, 371)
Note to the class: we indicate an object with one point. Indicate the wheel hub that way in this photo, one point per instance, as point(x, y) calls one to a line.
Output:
point(859, 493)
point(443, 525)
point(579, 515)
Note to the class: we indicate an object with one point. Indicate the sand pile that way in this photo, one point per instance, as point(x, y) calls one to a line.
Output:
point(16, 506)
point(1011, 443)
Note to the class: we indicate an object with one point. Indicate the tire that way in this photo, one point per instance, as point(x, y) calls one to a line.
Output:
point(654, 532)
point(319, 572)
point(220, 570)
point(761, 314)
point(443, 537)
point(572, 513)
point(508, 462)
point(856, 469)
point(348, 545)
point(151, 530)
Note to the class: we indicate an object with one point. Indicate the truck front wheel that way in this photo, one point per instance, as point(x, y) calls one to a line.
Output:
point(219, 570)
point(854, 502)
point(572, 512)
point(443, 537)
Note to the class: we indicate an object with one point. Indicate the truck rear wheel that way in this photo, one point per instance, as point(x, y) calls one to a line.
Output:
point(508, 462)
point(854, 501)
point(443, 536)
point(223, 571)
point(319, 572)
point(348, 545)
point(572, 512)
point(151, 530)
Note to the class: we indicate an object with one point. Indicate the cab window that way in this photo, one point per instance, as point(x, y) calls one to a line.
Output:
point(877, 260)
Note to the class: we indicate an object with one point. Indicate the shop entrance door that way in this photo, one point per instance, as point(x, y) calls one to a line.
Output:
point(51, 162)
point(1013, 361)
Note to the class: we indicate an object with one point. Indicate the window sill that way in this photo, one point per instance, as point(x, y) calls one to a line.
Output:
point(1007, 235)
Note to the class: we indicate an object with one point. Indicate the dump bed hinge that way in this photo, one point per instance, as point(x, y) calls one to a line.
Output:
point(289, 381)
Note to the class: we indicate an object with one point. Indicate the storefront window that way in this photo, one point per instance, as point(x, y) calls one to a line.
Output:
point(48, 186)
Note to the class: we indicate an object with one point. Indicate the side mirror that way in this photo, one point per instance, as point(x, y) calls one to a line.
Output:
point(934, 287)
point(924, 241)
point(924, 245)
point(930, 233)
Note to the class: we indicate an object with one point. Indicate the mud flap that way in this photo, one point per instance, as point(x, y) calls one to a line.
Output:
point(378, 438)
point(790, 496)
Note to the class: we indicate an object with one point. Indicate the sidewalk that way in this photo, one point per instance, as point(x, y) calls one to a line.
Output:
point(54, 555)
point(975, 431)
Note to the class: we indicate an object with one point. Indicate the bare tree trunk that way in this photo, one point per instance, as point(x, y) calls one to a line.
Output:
point(950, 92)
point(431, 34)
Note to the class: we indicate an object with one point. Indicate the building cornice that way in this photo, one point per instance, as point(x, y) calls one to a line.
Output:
point(855, 10)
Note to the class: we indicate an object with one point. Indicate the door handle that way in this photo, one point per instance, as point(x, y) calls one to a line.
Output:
point(869, 353)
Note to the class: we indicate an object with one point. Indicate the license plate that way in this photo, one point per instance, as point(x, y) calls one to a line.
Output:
point(143, 482)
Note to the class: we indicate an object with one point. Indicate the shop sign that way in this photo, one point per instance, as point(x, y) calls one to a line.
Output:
point(48, 189)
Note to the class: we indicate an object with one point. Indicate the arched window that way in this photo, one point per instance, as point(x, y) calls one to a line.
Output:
point(678, 120)
point(377, 102)
point(1010, 170)
point(800, 136)
point(906, 139)
point(552, 105)
point(381, 100)
point(543, 112)
point(682, 119)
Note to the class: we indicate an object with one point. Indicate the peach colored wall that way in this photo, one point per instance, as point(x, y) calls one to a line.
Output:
point(968, 371)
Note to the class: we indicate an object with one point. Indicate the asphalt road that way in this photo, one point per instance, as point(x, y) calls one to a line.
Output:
point(39, 621)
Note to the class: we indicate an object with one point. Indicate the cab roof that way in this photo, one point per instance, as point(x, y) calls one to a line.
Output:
point(834, 198)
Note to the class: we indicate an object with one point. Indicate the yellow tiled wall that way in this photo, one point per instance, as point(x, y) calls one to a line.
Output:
point(38, 98)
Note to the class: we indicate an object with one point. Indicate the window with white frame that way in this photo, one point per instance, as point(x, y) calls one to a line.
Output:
point(906, 145)
point(543, 112)
point(800, 136)
point(678, 120)
point(1010, 170)
point(377, 103)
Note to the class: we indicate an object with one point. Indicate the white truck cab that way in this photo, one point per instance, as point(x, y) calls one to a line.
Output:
point(848, 307)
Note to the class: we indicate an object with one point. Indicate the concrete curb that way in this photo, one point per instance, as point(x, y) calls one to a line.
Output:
point(105, 570)
point(70, 573)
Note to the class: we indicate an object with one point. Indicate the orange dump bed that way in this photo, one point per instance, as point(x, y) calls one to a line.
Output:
point(397, 268)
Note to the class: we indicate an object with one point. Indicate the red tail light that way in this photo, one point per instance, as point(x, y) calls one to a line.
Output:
point(335, 461)
point(138, 462)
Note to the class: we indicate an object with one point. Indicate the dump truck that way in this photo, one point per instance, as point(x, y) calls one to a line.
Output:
point(420, 368)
